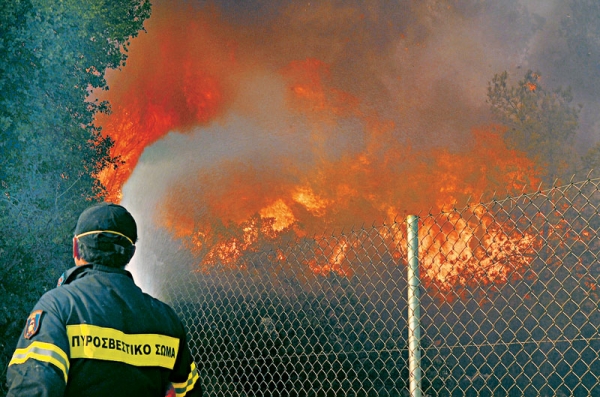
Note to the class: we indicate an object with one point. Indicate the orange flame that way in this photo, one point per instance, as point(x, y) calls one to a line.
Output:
point(164, 88)
point(531, 86)
point(377, 183)
point(460, 252)
point(185, 73)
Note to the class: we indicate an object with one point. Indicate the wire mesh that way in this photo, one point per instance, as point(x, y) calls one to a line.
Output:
point(509, 306)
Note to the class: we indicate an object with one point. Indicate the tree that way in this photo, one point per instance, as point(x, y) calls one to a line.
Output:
point(540, 122)
point(51, 55)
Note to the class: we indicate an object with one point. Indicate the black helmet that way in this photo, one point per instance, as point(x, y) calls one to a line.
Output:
point(107, 233)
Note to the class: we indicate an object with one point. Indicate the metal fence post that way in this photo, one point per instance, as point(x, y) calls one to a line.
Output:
point(414, 310)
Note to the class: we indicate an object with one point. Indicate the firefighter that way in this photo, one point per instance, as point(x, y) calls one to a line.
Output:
point(97, 333)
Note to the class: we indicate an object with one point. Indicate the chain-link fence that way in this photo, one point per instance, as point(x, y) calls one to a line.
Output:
point(509, 306)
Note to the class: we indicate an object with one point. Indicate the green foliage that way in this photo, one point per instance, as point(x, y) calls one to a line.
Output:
point(541, 123)
point(51, 55)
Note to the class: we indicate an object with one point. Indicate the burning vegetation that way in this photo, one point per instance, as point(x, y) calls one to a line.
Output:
point(317, 154)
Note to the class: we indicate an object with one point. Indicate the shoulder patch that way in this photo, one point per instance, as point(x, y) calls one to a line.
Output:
point(33, 324)
point(61, 280)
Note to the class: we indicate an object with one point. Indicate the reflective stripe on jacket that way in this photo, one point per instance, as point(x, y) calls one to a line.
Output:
point(98, 334)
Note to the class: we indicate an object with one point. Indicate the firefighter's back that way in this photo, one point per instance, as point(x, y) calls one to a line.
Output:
point(121, 340)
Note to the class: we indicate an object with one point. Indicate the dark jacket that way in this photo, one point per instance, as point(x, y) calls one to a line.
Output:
point(98, 334)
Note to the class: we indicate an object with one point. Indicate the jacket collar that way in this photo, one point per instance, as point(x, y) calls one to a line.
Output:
point(81, 271)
